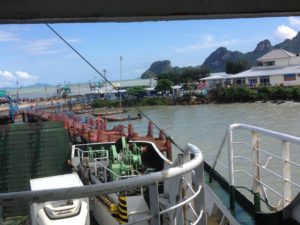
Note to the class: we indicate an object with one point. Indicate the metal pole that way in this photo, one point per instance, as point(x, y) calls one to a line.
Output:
point(287, 192)
point(230, 166)
point(200, 199)
point(154, 204)
point(256, 170)
point(104, 74)
point(217, 157)
point(120, 82)
point(17, 91)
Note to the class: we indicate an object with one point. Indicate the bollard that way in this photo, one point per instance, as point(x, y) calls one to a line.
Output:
point(161, 135)
point(100, 135)
point(150, 129)
point(110, 137)
point(130, 129)
point(169, 149)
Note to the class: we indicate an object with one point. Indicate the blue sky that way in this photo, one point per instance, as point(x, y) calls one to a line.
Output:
point(33, 54)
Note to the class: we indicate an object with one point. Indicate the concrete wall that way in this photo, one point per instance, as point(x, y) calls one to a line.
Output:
point(295, 60)
point(282, 62)
point(278, 80)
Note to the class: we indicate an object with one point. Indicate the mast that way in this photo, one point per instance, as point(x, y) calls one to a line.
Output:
point(105, 84)
point(120, 94)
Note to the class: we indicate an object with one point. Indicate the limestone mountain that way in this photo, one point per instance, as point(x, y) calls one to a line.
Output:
point(158, 67)
point(291, 45)
point(216, 61)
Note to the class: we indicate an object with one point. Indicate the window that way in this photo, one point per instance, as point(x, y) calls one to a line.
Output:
point(289, 77)
point(269, 63)
point(265, 80)
point(252, 81)
point(227, 82)
point(239, 81)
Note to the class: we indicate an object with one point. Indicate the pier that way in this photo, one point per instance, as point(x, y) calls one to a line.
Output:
point(94, 130)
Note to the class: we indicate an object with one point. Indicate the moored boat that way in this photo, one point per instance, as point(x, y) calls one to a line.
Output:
point(132, 182)
point(108, 112)
point(118, 119)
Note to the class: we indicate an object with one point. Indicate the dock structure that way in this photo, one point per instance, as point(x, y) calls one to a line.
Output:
point(94, 130)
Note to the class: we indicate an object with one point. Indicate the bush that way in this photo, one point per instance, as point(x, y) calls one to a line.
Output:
point(153, 101)
point(245, 94)
point(295, 93)
point(99, 103)
point(237, 94)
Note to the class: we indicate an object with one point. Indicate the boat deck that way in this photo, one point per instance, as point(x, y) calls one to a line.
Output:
point(240, 213)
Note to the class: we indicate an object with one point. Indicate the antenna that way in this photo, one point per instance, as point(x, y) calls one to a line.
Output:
point(120, 93)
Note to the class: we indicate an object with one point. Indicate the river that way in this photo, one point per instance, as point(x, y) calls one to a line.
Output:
point(205, 125)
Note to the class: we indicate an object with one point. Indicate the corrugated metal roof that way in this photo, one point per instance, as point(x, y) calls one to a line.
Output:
point(276, 54)
point(268, 71)
point(134, 83)
point(216, 76)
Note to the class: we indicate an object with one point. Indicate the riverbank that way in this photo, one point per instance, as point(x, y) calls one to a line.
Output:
point(220, 95)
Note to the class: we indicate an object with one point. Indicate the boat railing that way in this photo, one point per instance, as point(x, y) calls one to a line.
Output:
point(256, 161)
point(188, 177)
point(101, 165)
point(87, 157)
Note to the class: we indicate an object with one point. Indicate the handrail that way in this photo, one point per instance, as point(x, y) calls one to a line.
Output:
point(16, 198)
point(274, 134)
point(181, 203)
point(258, 185)
point(164, 158)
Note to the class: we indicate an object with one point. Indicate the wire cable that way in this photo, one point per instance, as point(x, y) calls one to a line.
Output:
point(113, 86)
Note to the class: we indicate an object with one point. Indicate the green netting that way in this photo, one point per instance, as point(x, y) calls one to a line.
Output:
point(29, 151)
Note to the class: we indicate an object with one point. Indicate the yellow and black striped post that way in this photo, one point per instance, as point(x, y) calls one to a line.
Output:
point(108, 202)
point(122, 209)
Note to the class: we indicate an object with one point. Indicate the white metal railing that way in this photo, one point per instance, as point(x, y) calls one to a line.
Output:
point(100, 165)
point(255, 161)
point(193, 167)
point(88, 156)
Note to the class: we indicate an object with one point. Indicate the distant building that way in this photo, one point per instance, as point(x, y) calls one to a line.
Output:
point(125, 84)
point(276, 68)
point(105, 90)
point(215, 79)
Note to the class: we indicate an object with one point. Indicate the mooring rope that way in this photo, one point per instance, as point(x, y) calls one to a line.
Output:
point(113, 86)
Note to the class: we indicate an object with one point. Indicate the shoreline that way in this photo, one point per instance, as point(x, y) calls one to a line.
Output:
point(58, 103)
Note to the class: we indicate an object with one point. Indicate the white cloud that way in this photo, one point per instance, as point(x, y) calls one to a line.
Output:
point(285, 32)
point(6, 75)
point(42, 47)
point(26, 76)
point(294, 21)
point(46, 46)
point(208, 43)
point(7, 36)
point(73, 40)
point(208, 39)
point(8, 79)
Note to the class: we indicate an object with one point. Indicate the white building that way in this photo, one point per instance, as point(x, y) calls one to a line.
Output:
point(216, 79)
point(276, 68)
